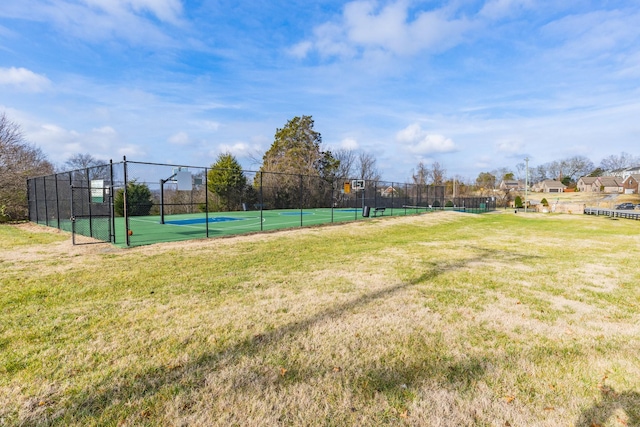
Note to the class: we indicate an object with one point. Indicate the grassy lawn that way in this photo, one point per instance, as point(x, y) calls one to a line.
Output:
point(440, 319)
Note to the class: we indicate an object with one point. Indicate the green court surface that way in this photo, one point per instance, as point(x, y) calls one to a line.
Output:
point(147, 230)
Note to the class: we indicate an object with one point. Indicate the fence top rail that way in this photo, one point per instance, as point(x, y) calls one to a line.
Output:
point(206, 168)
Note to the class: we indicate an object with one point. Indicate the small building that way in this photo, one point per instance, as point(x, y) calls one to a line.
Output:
point(388, 192)
point(511, 184)
point(585, 183)
point(608, 184)
point(549, 186)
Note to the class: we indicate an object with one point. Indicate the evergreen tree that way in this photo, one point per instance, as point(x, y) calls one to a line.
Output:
point(138, 200)
point(295, 170)
point(227, 181)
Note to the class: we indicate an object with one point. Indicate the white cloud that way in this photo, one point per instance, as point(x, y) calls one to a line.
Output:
point(23, 79)
point(418, 141)
point(510, 145)
point(60, 143)
point(349, 144)
point(138, 21)
point(484, 162)
point(301, 49)
point(180, 138)
point(364, 26)
point(210, 125)
point(239, 149)
point(496, 9)
point(165, 10)
point(597, 32)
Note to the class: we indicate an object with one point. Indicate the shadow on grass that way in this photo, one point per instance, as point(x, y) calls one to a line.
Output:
point(612, 405)
point(102, 399)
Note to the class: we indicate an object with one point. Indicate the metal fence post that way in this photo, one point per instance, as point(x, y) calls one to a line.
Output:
point(86, 171)
point(73, 219)
point(57, 202)
point(301, 203)
point(46, 205)
point(35, 195)
point(333, 189)
point(206, 199)
point(406, 194)
point(112, 211)
point(393, 190)
point(125, 207)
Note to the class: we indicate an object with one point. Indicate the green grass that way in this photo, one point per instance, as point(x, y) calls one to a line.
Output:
point(13, 236)
point(440, 319)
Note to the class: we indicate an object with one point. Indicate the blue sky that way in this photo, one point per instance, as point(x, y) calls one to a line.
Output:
point(474, 85)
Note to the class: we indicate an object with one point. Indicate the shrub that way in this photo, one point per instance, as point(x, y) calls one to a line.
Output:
point(449, 204)
point(518, 202)
point(544, 202)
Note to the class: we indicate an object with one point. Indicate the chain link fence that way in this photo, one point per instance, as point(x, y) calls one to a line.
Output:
point(135, 203)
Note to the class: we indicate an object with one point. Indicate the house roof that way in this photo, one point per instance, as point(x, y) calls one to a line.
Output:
point(588, 180)
point(634, 176)
point(510, 183)
point(609, 181)
point(552, 183)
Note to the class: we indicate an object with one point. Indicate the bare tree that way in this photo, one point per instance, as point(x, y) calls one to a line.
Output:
point(421, 174)
point(83, 161)
point(80, 164)
point(18, 161)
point(577, 166)
point(538, 173)
point(554, 170)
point(502, 173)
point(365, 167)
point(437, 173)
point(613, 162)
point(520, 170)
point(347, 159)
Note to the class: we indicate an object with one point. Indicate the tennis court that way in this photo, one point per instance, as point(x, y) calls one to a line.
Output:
point(145, 230)
point(137, 203)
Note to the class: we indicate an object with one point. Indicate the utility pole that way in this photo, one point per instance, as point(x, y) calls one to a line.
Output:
point(526, 184)
point(454, 187)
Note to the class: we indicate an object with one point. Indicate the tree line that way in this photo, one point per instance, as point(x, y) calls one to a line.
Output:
point(568, 170)
point(296, 160)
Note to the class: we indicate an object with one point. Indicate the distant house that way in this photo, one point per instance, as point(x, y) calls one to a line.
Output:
point(630, 184)
point(549, 186)
point(608, 184)
point(511, 184)
point(586, 183)
point(616, 172)
point(633, 170)
point(625, 172)
point(388, 192)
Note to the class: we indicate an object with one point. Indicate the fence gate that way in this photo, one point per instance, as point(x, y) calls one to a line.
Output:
point(91, 215)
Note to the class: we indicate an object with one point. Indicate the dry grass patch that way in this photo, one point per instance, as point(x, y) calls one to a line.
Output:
point(439, 319)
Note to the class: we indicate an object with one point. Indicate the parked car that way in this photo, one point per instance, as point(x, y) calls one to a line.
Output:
point(627, 205)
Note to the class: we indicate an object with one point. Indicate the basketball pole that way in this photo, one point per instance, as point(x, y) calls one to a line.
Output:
point(162, 182)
